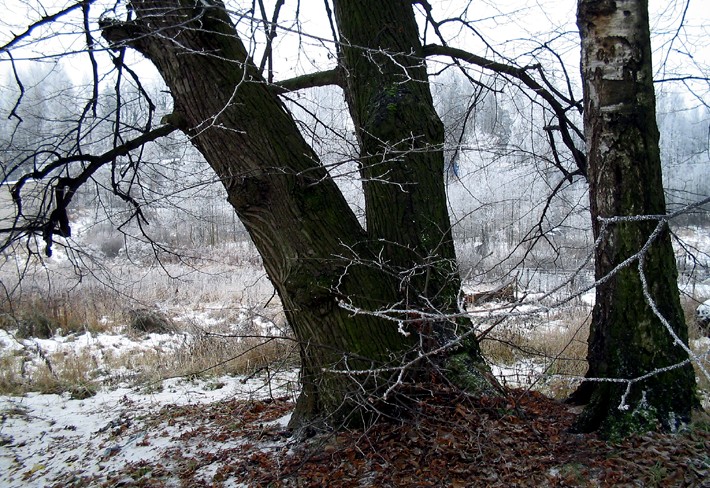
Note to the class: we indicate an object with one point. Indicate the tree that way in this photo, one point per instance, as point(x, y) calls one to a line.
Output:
point(328, 270)
point(373, 307)
point(638, 335)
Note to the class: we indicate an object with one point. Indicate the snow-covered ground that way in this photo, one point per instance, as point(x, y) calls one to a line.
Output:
point(52, 440)
point(65, 440)
point(125, 416)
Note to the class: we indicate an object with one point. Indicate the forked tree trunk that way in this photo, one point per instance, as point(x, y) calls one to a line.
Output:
point(627, 339)
point(314, 250)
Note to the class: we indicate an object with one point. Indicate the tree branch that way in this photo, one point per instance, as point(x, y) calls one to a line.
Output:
point(522, 75)
point(311, 80)
point(48, 19)
point(270, 31)
point(65, 188)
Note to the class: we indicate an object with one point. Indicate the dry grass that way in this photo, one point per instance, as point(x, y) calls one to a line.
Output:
point(209, 356)
point(562, 351)
point(47, 299)
point(690, 307)
point(55, 374)
point(702, 350)
point(11, 377)
point(226, 349)
point(556, 343)
point(42, 315)
point(81, 372)
point(189, 351)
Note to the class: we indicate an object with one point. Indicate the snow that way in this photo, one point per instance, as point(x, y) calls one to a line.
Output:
point(8, 343)
point(105, 341)
point(48, 439)
point(521, 374)
point(703, 311)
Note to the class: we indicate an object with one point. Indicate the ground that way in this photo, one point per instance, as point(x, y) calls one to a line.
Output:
point(125, 407)
point(231, 432)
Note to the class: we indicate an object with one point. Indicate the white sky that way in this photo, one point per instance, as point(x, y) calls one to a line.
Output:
point(512, 27)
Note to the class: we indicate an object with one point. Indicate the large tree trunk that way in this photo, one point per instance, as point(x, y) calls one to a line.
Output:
point(627, 339)
point(401, 160)
point(314, 250)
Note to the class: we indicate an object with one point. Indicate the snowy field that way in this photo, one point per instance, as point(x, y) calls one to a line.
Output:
point(52, 440)
point(59, 440)
point(142, 396)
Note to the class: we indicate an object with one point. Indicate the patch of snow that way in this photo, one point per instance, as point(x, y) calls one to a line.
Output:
point(8, 343)
point(281, 422)
point(589, 298)
point(51, 439)
point(703, 311)
point(521, 374)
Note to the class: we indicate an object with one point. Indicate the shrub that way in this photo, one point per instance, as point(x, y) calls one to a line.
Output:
point(34, 323)
point(150, 321)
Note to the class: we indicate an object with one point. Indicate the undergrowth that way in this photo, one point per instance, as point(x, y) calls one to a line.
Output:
point(549, 351)
point(77, 362)
point(41, 315)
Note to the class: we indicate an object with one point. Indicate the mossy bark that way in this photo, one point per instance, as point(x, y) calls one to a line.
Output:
point(401, 154)
point(627, 339)
point(314, 250)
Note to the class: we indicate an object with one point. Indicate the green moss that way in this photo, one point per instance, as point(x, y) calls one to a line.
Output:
point(392, 90)
point(639, 421)
point(469, 375)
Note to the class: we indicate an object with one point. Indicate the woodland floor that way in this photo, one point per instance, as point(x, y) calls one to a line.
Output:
point(448, 441)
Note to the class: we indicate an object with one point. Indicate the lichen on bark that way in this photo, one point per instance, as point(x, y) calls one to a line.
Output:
point(627, 339)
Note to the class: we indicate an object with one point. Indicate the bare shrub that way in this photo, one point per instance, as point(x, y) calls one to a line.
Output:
point(150, 320)
point(34, 323)
point(111, 247)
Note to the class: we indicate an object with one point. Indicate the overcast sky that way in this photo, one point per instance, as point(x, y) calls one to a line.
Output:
point(512, 28)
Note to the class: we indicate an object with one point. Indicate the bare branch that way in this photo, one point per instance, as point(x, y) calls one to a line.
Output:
point(47, 19)
point(521, 74)
point(270, 29)
point(311, 80)
point(65, 188)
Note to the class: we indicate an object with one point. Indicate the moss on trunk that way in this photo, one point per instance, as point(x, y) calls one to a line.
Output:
point(627, 340)
point(401, 154)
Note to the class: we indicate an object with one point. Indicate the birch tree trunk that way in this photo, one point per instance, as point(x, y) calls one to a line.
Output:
point(628, 339)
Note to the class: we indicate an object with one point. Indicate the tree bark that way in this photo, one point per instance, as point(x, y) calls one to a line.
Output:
point(314, 250)
point(401, 154)
point(627, 339)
